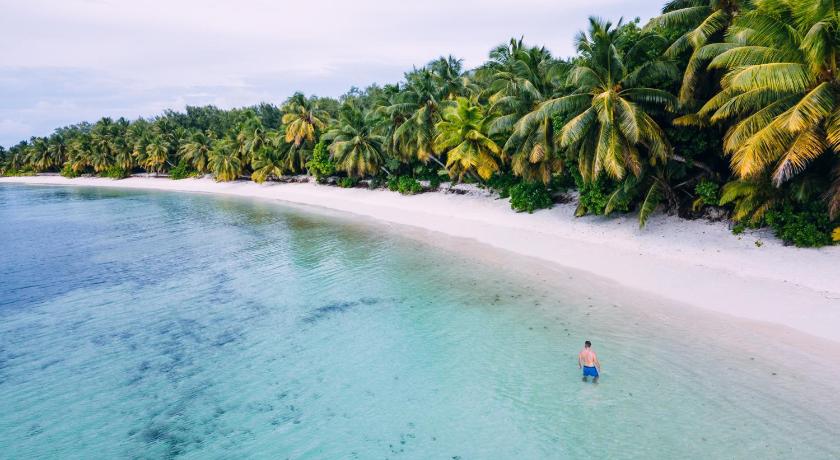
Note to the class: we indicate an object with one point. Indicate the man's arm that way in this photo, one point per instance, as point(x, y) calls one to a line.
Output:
point(597, 363)
point(580, 362)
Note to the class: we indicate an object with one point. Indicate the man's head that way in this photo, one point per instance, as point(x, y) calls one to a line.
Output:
point(587, 344)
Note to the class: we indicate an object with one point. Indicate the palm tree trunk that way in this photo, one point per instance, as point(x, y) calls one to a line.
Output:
point(433, 157)
point(695, 163)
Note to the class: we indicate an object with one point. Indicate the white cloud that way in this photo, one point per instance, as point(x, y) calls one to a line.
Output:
point(13, 129)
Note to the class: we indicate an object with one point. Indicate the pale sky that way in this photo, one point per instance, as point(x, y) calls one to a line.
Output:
point(65, 61)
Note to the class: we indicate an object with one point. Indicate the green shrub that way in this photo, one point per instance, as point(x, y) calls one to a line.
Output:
point(69, 172)
point(804, 228)
point(347, 182)
point(707, 194)
point(19, 172)
point(530, 196)
point(321, 165)
point(594, 198)
point(115, 172)
point(502, 183)
point(182, 171)
point(405, 185)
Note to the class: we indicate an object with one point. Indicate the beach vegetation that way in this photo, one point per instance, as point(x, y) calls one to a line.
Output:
point(182, 170)
point(354, 146)
point(321, 165)
point(502, 183)
point(68, 172)
point(405, 185)
point(804, 227)
point(462, 137)
point(115, 172)
point(707, 193)
point(727, 104)
point(224, 160)
point(594, 196)
point(530, 196)
point(347, 182)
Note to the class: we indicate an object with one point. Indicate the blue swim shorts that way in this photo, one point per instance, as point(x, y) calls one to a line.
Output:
point(590, 371)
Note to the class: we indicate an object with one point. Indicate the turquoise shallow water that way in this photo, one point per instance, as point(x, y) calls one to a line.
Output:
point(155, 325)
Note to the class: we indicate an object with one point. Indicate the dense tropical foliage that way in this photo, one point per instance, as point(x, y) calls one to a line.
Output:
point(713, 105)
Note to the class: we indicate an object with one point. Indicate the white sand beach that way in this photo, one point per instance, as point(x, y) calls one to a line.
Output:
point(693, 262)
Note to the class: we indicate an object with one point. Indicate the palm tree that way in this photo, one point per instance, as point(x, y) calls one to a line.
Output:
point(706, 22)
point(421, 103)
point(57, 149)
point(503, 55)
point(521, 79)
point(449, 74)
point(781, 91)
point(355, 148)
point(388, 113)
point(102, 144)
point(196, 151)
point(254, 136)
point(123, 154)
point(78, 153)
point(462, 134)
point(289, 157)
point(15, 158)
point(607, 126)
point(156, 155)
point(121, 150)
point(303, 119)
point(38, 154)
point(225, 162)
point(271, 159)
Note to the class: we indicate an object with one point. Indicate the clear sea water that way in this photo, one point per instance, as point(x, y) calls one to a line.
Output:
point(154, 325)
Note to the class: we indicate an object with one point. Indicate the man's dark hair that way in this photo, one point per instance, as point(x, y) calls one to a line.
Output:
point(588, 344)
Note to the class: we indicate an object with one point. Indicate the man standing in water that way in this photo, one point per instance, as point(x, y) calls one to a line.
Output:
point(588, 360)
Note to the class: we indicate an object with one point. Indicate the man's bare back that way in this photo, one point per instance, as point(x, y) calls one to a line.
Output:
point(588, 361)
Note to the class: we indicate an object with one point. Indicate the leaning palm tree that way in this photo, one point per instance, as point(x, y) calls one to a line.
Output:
point(355, 148)
point(705, 22)
point(462, 134)
point(303, 119)
point(781, 92)
point(225, 162)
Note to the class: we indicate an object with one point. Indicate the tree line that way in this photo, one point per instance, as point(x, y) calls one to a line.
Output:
point(714, 104)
